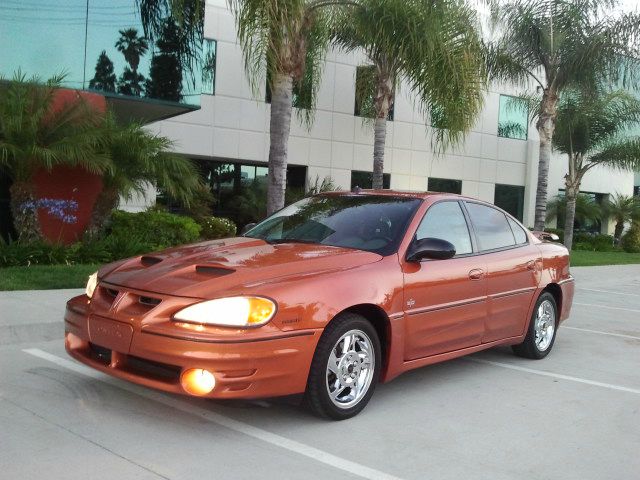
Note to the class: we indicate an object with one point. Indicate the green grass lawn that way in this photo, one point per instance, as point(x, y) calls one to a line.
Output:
point(581, 258)
point(45, 277)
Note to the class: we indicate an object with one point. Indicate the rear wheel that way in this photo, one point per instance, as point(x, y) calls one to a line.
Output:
point(345, 368)
point(542, 329)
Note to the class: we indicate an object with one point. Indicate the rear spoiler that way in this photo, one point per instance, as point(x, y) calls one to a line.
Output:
point(546, 236)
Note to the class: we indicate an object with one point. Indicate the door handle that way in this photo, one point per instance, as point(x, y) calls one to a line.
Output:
point(531, 265)
point(476, 274)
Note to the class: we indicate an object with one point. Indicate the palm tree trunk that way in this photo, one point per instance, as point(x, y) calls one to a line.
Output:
point(384, 97)
point(280, 126)
point(380, 138)
point(106, 202)
point(25, 211)
point(617, 232)
point(569, 218)
point(546, 125)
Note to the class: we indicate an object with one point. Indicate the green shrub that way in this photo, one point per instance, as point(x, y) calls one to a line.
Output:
point(594, 243)
point(631, 239)
point(154, 228)
point(35, 253)
point(216, 227)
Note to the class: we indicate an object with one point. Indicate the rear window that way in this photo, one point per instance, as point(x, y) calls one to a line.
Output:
point(491, 226)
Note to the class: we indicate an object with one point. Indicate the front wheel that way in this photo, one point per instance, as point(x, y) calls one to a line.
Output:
point(542, 329)
point(345, 368)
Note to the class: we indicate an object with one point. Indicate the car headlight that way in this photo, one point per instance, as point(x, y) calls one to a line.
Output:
point(92, 283)
point(230, 312)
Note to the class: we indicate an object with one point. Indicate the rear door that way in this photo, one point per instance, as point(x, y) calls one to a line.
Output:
point(513, 270)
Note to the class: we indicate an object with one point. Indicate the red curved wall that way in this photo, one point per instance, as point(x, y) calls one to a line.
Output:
point(65, 183)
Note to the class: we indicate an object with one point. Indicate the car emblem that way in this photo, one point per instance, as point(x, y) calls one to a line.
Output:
point(411, 302)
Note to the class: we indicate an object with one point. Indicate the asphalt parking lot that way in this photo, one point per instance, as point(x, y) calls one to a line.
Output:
point(575, 414)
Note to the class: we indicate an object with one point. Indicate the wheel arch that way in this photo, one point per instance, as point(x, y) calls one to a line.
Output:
point(555, 290)
point(380, 321)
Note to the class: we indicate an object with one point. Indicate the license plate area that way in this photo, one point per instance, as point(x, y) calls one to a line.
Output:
point(110, 334)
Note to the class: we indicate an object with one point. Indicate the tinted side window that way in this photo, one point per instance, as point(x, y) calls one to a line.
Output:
point(518, 232)
point(491, 227)
point(445, 220)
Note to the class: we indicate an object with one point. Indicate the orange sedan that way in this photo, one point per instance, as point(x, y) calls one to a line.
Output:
point(328, 297)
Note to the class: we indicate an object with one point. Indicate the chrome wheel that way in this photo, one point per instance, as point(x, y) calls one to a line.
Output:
point(545, 325)
point(350, 369)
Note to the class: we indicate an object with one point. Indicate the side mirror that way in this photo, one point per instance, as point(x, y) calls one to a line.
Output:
point(434, 248)
point(247, 227)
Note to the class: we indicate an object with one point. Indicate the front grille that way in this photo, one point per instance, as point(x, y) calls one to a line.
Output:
point(149, 368)
point(101, 354)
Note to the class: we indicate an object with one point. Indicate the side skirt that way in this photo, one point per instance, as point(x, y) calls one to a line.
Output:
point(441, 357)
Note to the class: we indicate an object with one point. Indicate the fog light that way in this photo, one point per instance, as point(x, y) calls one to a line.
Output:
point(197, 381)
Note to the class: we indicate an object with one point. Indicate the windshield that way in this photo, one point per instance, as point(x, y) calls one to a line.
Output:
point(364, 222)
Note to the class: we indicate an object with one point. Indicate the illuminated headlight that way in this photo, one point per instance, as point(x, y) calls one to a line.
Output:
point(92, 283)
point(230, 312)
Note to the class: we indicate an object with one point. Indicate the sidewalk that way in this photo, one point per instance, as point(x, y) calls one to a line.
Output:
point(33, 315)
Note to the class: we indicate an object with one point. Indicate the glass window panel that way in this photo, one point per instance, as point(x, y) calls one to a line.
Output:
point(444, 185)
point(209, 66)
point(446, 221)
point(513, 118)
point(491, 226)
point(510, 198)
point(365, 179)
point(115, 59)
point(364, 105)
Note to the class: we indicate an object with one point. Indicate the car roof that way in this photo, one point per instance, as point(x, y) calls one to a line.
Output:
point(396, 193)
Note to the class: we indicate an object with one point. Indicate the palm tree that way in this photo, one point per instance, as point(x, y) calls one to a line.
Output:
point(433, 45)
point(622, 209)
point(592, 130)
point(287, 40)
point(132, 47)
point(36, 136)
point(140, 158)
point(556, 44)
point(586, 210)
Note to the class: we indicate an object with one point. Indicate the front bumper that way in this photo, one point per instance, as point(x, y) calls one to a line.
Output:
point(271, 366)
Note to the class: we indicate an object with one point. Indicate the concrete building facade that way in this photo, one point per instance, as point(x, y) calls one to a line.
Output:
point(232, 126)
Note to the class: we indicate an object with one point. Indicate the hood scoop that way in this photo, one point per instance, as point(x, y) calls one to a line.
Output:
point(212, 271)
point(148, 260)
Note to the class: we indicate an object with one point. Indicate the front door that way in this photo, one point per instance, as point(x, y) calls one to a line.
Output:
point(445, 300)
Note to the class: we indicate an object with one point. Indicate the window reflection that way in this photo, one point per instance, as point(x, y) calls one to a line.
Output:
point(101, 46)
point(513, 117)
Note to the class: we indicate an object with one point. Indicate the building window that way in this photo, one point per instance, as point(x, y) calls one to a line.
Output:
point(513, 117)
point(587, 207)
point(444, 185)
point(510, 198)
point(636, 191)
point(365, 179)
point(209, 67)
point(365, 93)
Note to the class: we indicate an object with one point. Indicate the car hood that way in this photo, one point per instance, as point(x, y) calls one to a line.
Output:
point(207, 269)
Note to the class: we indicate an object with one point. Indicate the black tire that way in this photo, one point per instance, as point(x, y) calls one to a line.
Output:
point(529, 348)
point(317, 395)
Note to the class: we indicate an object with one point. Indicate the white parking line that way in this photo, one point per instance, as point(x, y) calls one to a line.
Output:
point(555, 375)
point(609, 291)
point(235, 425)
point(621, 335)
point(606, 306)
